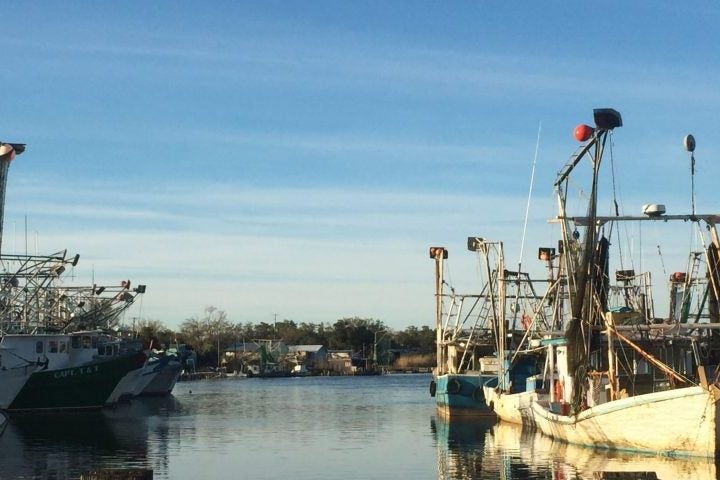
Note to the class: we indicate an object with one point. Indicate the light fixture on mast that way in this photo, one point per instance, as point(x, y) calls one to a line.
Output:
point(689, 144)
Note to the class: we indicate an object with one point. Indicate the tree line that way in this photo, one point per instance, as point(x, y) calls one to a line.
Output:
point(213, 332)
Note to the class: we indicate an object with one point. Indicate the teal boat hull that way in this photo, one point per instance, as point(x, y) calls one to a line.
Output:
point(461, 395)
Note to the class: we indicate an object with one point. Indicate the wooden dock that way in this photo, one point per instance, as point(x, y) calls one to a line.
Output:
point(187, 376)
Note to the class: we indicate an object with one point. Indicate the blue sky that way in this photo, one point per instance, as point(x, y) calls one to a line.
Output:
point(299, 158)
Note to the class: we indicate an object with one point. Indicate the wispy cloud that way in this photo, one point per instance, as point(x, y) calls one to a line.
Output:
point(368, 249)
point(267, 165)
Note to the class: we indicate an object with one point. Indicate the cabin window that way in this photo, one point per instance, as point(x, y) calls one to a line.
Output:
point(76, 342)
point(94, 342)
point(53, 346)
point(106, 350)
point(689, 363)
point(39, 347)
point(641, 367)
point(63, 346)
point(86, 341)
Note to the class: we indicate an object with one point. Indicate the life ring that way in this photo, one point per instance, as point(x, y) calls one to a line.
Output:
point(454, 386)
point(526, 321)
point(433, 388)
point(478, 395)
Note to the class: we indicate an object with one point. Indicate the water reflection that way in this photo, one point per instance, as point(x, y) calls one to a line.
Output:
point(64, 445)
point(486, 450)
point(314, 428)
point(461, 448)
point(569, 461)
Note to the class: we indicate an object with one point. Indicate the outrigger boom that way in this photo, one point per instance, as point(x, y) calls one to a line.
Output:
point(711, 219)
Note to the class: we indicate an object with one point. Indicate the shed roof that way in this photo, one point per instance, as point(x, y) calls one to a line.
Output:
point(243, 347)
point(305, 348)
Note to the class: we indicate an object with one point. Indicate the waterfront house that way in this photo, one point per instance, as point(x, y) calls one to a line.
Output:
point(340, 362)
point(307, 357)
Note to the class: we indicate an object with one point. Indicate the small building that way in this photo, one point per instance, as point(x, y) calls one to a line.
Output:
point(340, 362)
point(240, 348)
point(266, 355)
point(308, 357)
point(309, 352)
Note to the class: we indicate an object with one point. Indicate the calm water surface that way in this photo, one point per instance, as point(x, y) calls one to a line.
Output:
point(305, 428)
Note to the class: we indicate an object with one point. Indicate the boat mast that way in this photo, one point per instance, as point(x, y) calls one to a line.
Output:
point(439, 254)
point(496, 294)
point(583, 305)
point(7, 153)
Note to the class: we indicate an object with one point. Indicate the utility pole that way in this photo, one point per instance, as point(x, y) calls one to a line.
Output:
point(375, 344)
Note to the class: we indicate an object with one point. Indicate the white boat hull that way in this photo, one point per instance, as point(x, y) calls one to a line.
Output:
point(511, 407)
point(674, 422)
point(164, 380)
point(131, 385)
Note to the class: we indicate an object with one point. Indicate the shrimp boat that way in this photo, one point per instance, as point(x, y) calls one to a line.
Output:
point(74, 371)
point(465, 348)
point(164, 370)
point(53, 351)
point(621, 378)
point(515, 384)
point(469, 346)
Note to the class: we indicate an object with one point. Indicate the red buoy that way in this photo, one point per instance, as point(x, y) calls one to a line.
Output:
point(583, 132)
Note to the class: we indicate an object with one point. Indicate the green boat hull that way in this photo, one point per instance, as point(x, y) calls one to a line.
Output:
point(83, 387)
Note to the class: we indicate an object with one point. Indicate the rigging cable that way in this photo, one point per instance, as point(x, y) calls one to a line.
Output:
point(662, 262)
point(615, 202)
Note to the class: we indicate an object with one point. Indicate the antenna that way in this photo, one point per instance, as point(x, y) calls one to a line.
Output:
point(532, 181)
point(689, 144)
point(527, 214)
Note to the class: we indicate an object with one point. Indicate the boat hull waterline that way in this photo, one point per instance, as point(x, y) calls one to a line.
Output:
point(686, 417)
point(461, 395)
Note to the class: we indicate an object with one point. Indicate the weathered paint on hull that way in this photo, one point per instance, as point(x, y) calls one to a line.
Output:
point(467, 400)
point(674, 422)
point(87, 386)
point(512, 406)
point(509, 407)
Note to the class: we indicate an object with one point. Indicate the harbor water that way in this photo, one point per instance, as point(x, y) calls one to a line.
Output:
point(373, 427)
